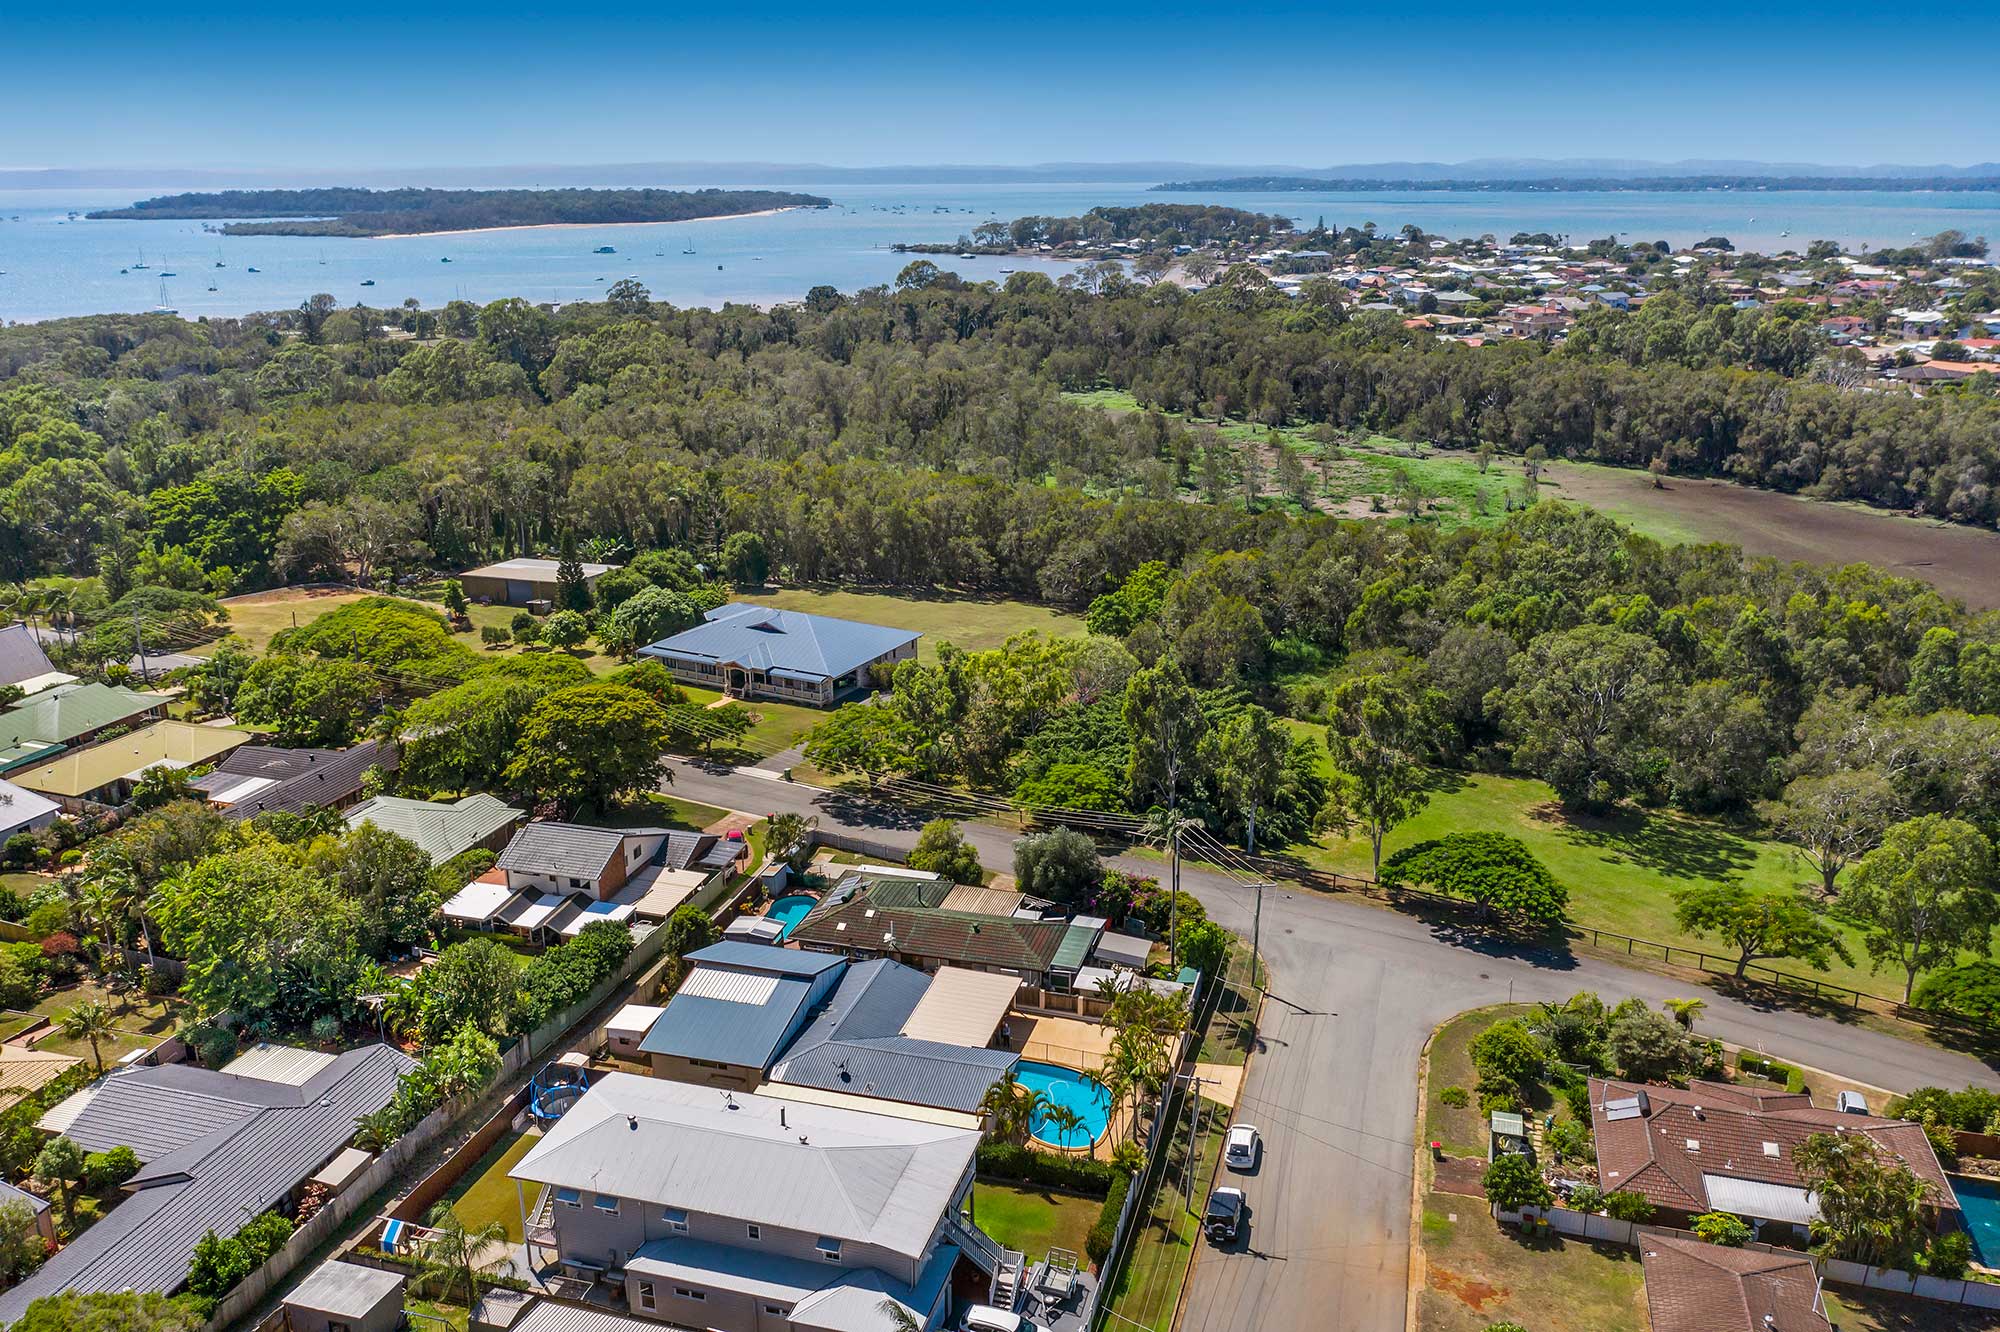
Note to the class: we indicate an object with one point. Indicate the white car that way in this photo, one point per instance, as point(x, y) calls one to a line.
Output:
point(986, 1318)
point(1240, 1148)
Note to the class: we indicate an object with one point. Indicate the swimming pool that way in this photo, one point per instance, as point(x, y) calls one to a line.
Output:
point(789, 911)
point(1980, 1200)
point(1065, 1086)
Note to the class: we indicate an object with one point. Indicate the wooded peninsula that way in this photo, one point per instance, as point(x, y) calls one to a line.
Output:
point(412, 212)
point(1588, 184)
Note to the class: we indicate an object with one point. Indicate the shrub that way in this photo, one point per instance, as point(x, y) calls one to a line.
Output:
point(1507, 1052)
point(1078, 1174)
point(1097, 1243)
point(326, 1029)
point(1454, 1097)
point(1627, 1206)
point(109, 1169)
point(1759, 1066)
point(1496, 1097)
point(493, 634)
point(1512, 1182)
point(1570, 1141)
point(1971, 1110)
point(1724, 1228)
point(213, 1045)
point(1949, 1256)
point(1586, 1198)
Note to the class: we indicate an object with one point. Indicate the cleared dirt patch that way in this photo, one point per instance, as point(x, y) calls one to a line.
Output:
point(1959, 561)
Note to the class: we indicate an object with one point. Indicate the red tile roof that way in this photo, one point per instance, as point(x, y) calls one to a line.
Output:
point(1697, 1287)
point(1731, 1128)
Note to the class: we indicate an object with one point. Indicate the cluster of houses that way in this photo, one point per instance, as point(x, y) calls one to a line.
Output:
point(1722, 1147)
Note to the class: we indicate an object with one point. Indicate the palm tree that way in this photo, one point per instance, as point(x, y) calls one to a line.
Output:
point(1012, 1108)
point(1685, 1011)
point(88, 1022)
point(898, 1316)
point(375, 1131)
point(450, 1253)
point(1064, 1121)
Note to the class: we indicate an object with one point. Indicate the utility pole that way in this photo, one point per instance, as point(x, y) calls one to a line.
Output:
point(1191, 1171)
point(139, 644)
point(1256, 935)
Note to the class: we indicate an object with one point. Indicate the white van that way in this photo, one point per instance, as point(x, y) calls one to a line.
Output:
point(986, 1318)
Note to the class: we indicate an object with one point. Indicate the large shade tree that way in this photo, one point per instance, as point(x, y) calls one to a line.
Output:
point(1924, 895)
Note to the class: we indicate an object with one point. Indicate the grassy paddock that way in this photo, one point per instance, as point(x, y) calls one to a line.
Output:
point(1621, 871)
point(973, 623)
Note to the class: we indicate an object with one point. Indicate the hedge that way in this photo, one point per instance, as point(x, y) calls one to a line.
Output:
point(1794, 1080)
point(1105, 1229)
point(1078, 1174)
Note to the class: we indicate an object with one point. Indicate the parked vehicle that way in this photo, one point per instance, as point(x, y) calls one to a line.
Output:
point(1224, 1215)
point(986, 1318)
point(1241, 1148)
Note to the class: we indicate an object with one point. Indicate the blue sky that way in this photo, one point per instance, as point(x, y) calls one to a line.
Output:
point(232, 84)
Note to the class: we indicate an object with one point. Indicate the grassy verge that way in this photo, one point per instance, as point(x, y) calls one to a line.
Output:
point(1148, 1288)
point(1033, 1220)
point(1462, 1129)
point(485, 1195)
point(1232, 1031)
point(1479, 1272)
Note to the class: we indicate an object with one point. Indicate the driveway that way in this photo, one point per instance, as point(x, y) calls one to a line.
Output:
point(1355, 992)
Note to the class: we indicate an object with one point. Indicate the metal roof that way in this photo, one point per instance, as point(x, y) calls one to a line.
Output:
point(1766, 1202)
point(839, 1299)
point(1076, 945)
point(803, 645)
point(245, 1165)
point(19, 806)
point(33, 1202)
point(743, 1030)
point(286, 1064)
point(533, 571)
point(60, 715)
point(21, 657)
point(758, 957)
point(855, 1045)
point(442, 830)
point(166, 744)
point(566, 850)
point(549, 1317)
point(291, 780)
point(962, 1007)
point(874, 1179)
point(345, 1290)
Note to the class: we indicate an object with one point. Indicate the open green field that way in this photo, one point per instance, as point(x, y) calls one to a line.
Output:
point(1033, 1220)
point(1479, 1272)
point(484, 1194)
point(1959, 560)
point(1621, 871)
point(973, 623)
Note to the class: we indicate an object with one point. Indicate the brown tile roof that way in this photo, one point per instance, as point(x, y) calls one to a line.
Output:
point(859, 919)
point(1649, 1153)
point(1697, 1287)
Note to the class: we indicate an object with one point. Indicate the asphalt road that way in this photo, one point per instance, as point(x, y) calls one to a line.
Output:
point(1355, 992)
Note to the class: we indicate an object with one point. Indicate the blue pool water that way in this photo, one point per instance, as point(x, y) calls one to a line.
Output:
point(1065, 1086)
point(790, 911)
point(1980, 1199)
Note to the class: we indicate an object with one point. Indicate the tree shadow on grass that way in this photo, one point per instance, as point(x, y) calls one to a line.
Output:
point(1767, 998)
point(1677, 847)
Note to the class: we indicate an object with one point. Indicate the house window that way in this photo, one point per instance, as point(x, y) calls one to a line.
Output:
point(777, 1310)
point(575, 882)
point(604, 1202)
point(569, 1197)
point(756, 1231)
point(829, 1249)
point(677, 1220)
point(645, 1294)
point(687, 1294)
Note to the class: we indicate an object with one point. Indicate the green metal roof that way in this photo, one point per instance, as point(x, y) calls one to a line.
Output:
point(1074, 949)
point(60, 715)
point(442, 830)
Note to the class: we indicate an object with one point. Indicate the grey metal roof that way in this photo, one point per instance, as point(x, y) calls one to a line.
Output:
point(157, 1111)
point(566, 850)
point(442, 830)
point(808, 646)
point(759, 957)
point(854, 1045)
point(33, 1202)
point(728, 1032)
point(21, 657)
point(345, 1290)
point(215, 1181)
point(874, 1179)
point(304, 778)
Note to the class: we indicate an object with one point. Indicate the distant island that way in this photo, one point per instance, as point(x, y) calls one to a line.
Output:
point(1594, 184)
point(1147, 224)
point(412, 212)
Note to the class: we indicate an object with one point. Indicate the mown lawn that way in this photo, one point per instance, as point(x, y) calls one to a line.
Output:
point(973, 623)
point(140, 1022)
point(485, 1195)
point(1033, 1220)
point(657, 810)
point(1851, 1310)
point(1621, 871)
point(1478, 1272)
point(258, 617)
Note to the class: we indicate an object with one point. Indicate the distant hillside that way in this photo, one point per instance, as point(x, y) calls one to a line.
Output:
point(358, 212)
point(1554, 184)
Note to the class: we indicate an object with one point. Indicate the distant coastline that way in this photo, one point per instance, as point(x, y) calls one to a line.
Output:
point(573, 226)
point(1594, 184)
point(341, 213)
